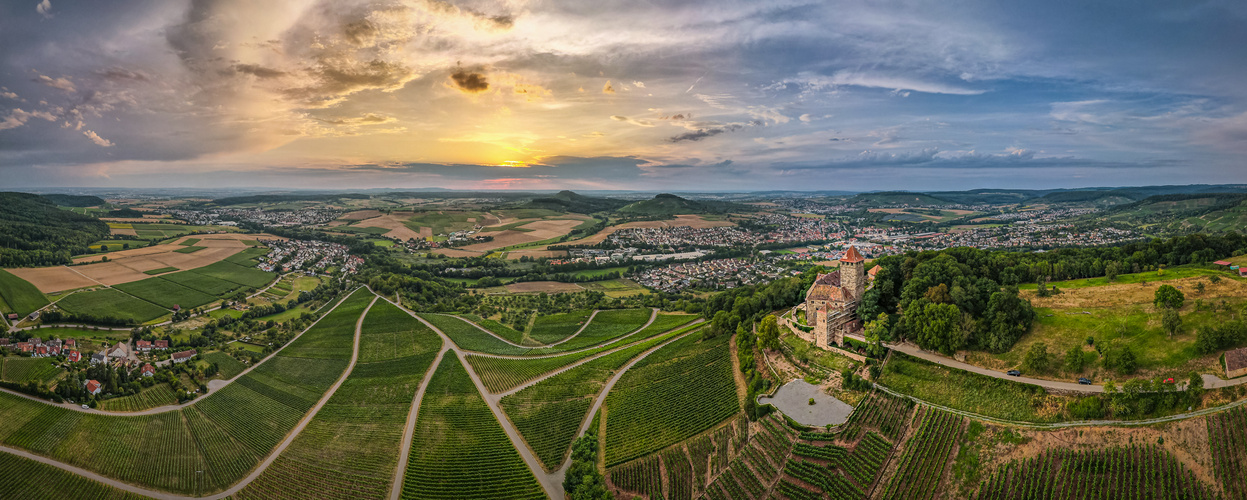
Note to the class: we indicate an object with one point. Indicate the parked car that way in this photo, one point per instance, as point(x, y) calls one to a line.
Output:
point(85, 407)
point(1084, 380)
point(1013, 373)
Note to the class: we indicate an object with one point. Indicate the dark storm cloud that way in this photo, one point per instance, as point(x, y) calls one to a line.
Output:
point(258, 71)
point(699, 134)
point(469, 81)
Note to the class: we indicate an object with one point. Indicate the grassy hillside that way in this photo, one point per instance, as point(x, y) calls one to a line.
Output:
point(69, 200)
point(892, 198)
point(567, 201)
point(1184, 213)
point(34, 232)
point(670, 204)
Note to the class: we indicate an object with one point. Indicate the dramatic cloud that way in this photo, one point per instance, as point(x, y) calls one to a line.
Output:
point(470, 82)
point(608, 88)
point(44, 9)
point(702, 133)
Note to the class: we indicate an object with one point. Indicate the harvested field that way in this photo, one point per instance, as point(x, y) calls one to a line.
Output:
point(543, 286)
point(455, 252)
point(361, 215)
point(112, 273)
point(123, 231)
point(54, 279)
point(395, 223)
point(537, 231)
point(220, 243)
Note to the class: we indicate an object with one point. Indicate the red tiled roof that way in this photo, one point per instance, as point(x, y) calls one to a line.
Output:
point(852, 255)
point(184, 354)
point(92, 386)
point(1222, 262)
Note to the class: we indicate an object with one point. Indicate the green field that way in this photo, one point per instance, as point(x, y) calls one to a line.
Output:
point(499, 329)
point(29, 369)
point(165, 293)
point(111, 303)
point(228, 366)
point(966, 391)
point(162, 270)
point(151, 397)
point(189, 249)
point(158, 231)
point(616, 288)
point(459, 449)
point(189, 242)
point(203, 283)
point(204, 447)
point(548, 414)
point(117, 245)
point(443, 222)
point(606, 326)
point(247, 258)
point(556, 327)
point(1135, 278)
point(30, 480)
point(20, 296)
point(350, 449)
point(469, 337)
point(229, 271)
point(673, 394)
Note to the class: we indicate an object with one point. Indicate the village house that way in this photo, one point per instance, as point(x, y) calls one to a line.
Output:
point(162, 344)
point(182, 357)
point(71, 343)
point(119, 352)
point(4, 342)
point(74, 356)
point(1236, 363)
point(13, 316)
point(93, 387)
point(149, 370)
point(143, 346)
point(23, 347)
point(98, 358)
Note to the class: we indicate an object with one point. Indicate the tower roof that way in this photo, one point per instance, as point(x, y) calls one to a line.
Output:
point(852, 255)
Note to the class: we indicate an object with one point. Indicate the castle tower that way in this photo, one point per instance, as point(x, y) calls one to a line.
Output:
point(853, 274)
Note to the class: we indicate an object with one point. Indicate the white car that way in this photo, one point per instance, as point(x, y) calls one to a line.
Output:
point(85, 407)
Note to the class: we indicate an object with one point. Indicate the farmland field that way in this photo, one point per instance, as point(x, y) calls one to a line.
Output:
point(21, 296)
point(229, 271)
point(161, 270)
point(30, 480)
point(203, 283)
point(247, 258)
point(470, 337)
point(456, 439)
point(1127, 472)
point(23, 369)
point(350, 449)
point(165, 293)
point(189, 249)
point(606, 326)
point(556, 327)
point(110, 303)
point(224, 434)
point(152, 397)
point(228, 366)
point(499, 329)
point(678, 391)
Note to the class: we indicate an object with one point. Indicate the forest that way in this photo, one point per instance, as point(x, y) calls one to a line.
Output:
point(34, 232)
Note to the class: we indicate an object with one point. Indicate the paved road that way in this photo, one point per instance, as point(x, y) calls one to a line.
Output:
point(916, 352)
point(254, 473)
point(213, 385)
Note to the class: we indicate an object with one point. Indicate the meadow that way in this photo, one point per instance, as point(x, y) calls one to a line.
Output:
point(19, 295)
point(165, 293)
point(111, 303)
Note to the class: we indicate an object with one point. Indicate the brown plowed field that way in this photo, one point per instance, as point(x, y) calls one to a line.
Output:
point(52, 279)
point(540, 230)
point(128, 265)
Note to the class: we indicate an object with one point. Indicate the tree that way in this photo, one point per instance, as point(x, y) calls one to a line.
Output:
point(1199, 287)
point(583, 481)
point(1168, 296)
point(874, 332)
point(1074, 359)
point(1171, 321)
point(1111, 270)
point(1037, 358)
point(1214, 279)
point(768, 333)
point(938, 327)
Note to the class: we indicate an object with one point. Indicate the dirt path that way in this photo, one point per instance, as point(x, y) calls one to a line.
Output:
point(254, 473)
point(211, 387)
point(653, 316)
point(409, 433)
point(542, 346)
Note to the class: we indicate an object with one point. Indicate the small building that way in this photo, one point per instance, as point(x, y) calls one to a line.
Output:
point(149, 370)
point(184, 356)
point(119, 352)
point(71, 343)
point(162, 344)
point(33, 316)
point(98, 358)
point(74, 356)
point(4, 342)
point(93, 387)
point(23, 347)
point(143, 346)
point(13, 316)
point(41, 352)
point(176, 308)
point(1222, 262)
point(1236, 362)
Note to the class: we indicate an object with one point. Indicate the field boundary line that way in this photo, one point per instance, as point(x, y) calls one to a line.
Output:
point(653, 316)
point(409, 433)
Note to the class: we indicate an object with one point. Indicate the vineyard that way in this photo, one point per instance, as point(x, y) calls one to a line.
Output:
point(555, 327)
point(459, 449)
point(678, 391)
point(23, 369)
point(549, 414)
point(30, 480)
point(606, 326)
point(884, 413)
point(756, 468)
point(1126, 473)
point(499, 329)
point(350, 448)
point(152, 397)
point(224, 435)
point(503, 374)
point(1227, 436)
point(687, 467)
point(927, 455)
point(469, 337)
point(826, 470)
point(227, 366)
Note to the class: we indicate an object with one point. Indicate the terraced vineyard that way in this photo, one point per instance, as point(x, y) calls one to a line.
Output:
point(678, 391)
point(469, 337)
point(224, 435)
point(880, 411)
point(555, 327)
point(549, 414)
point(23, 369)
point(350, 449)
point(499, 329)
point(1129, 472)
point(30, 480)
point(459, 449)
point(926, 456)
point(152, 397)
point(1227, 438)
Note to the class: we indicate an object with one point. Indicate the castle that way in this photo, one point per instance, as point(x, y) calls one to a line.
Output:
point(831, 303)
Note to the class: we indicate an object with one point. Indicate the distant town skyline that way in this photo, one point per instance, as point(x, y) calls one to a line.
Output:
point(612, 95)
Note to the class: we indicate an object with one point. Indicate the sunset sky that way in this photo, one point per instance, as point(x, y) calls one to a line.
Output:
point(652, 95)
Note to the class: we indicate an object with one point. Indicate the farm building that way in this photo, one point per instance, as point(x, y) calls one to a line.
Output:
point(93, 387)
point(148, 370)
point(13, 316)
point(1236, 363)
point(143, 346)
point(182, 357)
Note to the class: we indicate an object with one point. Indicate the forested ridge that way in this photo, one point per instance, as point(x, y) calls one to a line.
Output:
point(34, 232)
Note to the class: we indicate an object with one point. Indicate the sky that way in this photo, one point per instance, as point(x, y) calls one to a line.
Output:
point(637, 95)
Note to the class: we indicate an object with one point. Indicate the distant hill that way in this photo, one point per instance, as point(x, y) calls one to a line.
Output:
point(1104, 197)
point(286, 198)
point(987, 196)
point(567, 201)
point(34, 232)
point(895, 198)
point(1183, 213)
point(670, 204)
point(70, 200)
